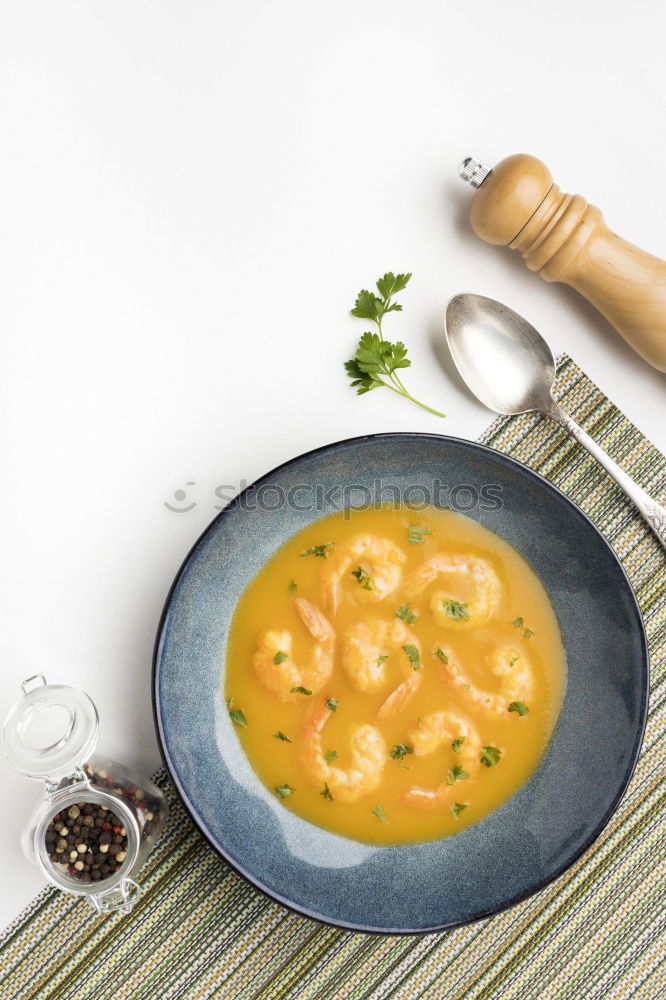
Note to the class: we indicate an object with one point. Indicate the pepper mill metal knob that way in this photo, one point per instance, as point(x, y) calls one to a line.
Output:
point(564, 238)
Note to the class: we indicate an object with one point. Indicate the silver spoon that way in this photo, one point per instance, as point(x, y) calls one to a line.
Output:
point(508, 365)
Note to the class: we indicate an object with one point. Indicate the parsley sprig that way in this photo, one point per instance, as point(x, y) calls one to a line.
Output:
point(236, 714)
point(416, 534)
point(379, 813)
point(413, 656)
point(490, 756)
point(318, 550)
point(406, 614)
point(456, 773)
point(377, 361)
point(364, 578)
point(454, 609)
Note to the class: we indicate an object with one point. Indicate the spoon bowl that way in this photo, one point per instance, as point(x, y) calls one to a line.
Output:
point(505, 362)
point(509, 366)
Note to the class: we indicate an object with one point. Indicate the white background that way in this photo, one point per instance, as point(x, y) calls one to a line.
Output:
point(191, 195)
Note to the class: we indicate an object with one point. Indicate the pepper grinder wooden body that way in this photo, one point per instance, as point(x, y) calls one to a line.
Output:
point(564, 238)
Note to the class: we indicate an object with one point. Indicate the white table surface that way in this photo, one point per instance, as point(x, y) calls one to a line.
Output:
point(191, 195)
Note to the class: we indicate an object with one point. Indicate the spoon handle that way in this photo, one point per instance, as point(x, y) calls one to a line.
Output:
point(654, 513)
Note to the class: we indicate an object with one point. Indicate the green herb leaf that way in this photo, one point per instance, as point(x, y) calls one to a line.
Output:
point(318, 550)
point(331, 704)
point(528, 633)
point(457, 808)
point(284, 791)
point(518, 706)
point(300, 690)
point(279, 657)
point(514, 659)
point(292, 585)
point(367, 305)
point(419, 723)
point(406, 614)
point(400, 750)
point(391, 284)
point(454, 609)
point(416, 535)
point(518, 622)
point(457, 744)
point(236, 714)
point(360, 380)
point(413, 656)
point(379, 813)
point(280, 736)
point(377, 361)
point(366, 581)
point(441, 654)
point(330, 756)
point(490, 756)
point(382, 659)
point(456, 773)
point(327, 794)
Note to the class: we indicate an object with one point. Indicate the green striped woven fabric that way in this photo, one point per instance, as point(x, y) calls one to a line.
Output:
point(597, 932)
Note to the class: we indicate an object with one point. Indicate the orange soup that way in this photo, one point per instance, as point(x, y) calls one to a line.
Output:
point(394, 676)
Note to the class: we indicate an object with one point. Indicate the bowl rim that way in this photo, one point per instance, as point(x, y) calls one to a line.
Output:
point(235, 865)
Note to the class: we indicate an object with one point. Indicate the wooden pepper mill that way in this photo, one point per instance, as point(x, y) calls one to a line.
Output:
point(565, 239)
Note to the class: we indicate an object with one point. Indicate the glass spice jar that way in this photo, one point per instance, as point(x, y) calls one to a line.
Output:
point(97, 821)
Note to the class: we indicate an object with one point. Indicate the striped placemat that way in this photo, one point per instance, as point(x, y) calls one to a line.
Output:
point(597, 932)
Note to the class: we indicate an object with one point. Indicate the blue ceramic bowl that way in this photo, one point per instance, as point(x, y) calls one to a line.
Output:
point(513, 852)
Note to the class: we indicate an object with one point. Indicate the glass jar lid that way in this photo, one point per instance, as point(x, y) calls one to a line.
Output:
point(51, 731)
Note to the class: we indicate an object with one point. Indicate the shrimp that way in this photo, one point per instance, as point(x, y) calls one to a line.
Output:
point(365, 650)
point(438, 728)
point(368, 758)
point(375, 561)
point(273, 662)
point(508, 664)
point(447, 610)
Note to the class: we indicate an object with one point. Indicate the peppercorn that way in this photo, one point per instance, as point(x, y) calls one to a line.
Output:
point(93, 847)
